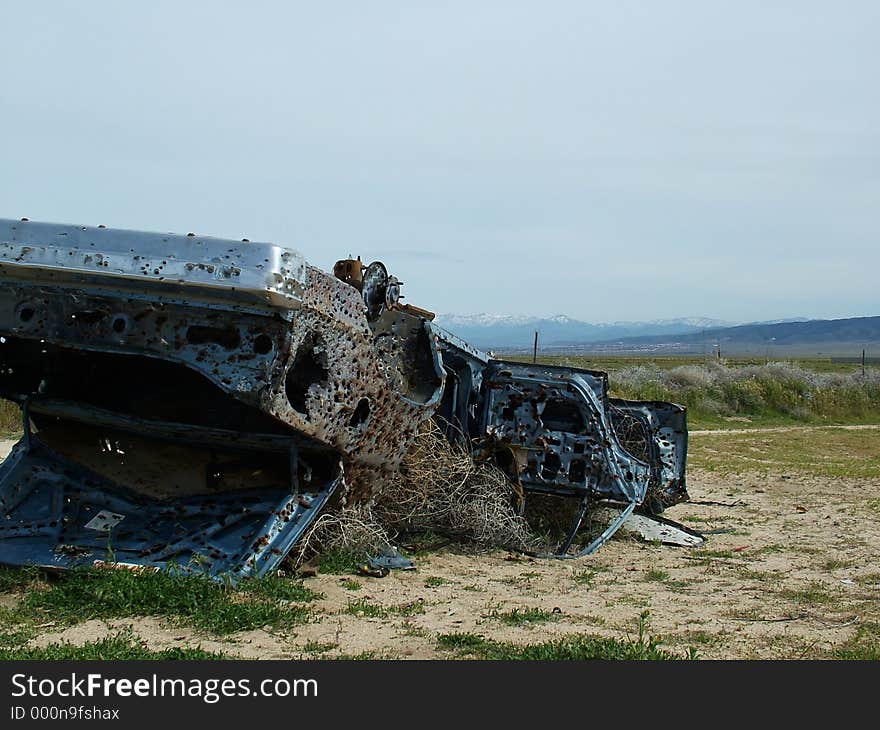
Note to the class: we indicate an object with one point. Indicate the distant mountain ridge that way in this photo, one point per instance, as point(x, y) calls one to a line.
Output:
point(829, 336)
point(498, 331)
point(685, 335)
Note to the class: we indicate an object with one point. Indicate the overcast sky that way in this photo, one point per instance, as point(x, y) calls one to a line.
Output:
point(610, 161)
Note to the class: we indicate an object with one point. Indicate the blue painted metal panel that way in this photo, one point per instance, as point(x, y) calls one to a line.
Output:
point(51, 505)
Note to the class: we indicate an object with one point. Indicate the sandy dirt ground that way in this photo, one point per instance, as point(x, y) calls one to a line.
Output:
point(789, 570)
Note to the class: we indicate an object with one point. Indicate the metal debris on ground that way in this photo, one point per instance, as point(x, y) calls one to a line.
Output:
point(390, 559)
point(199, 402)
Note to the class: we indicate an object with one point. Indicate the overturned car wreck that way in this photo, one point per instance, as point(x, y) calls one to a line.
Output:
point(197, 401)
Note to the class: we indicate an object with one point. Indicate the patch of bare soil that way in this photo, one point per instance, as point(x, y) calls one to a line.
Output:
point(788, 571)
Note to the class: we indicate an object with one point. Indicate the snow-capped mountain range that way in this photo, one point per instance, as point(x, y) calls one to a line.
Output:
point(494, 331)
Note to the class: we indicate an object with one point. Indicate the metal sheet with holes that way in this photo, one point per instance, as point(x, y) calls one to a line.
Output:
point(60, 515)
point(191, 340)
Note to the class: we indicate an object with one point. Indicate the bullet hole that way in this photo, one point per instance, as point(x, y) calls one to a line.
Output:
point(551, 466)
point(577, 471)
point(262, 344)
point(88, 316)
point(560, 415)
point(361, 413)
point(309, 368)
point(227, 337)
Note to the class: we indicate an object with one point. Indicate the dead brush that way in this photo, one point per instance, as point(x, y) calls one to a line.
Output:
point(351, 531)
point(441, 488)
point(438, 488)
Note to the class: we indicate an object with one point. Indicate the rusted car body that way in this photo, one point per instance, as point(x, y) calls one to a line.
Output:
point(197, 401)
point(556, 430)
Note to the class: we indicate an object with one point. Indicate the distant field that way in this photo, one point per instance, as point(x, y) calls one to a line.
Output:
point(613, 363)
point(744, 392)
point(829, 452)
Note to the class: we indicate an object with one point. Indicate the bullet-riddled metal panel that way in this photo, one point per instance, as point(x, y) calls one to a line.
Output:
point(555, 431)
point(252, 318)
point(139, 357)
point(176, 349)
point(61, 514)
point(557, 419)
point(364, 390)
point(222, 268)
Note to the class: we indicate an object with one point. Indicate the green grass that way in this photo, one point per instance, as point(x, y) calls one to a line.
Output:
point(701, 637)
point(614, 363)
point(340, 562)
point(318, 647)
point(16, 638)
point(772, 549)
point(760, 575)
point(462, 642)
point(655, 574)
point(82, 594)
point(118, 647)
point(836, 564)
point(364, 656)
point(865, 645)
point(274, 587)
point(577, 647)
point(363, 608)
point(435, 582)
point(524, 616)
point(14, 579)
point(813, 594)
point(585, 577)
point(830, 452)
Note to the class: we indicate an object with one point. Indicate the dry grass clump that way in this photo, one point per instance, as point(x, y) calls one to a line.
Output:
point(775, 389)
point(351, 532)
point(439, 488)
